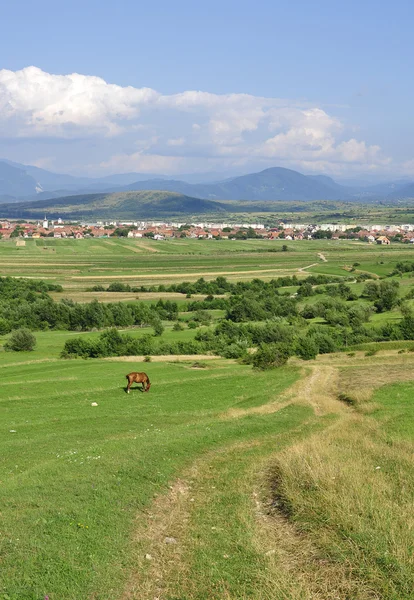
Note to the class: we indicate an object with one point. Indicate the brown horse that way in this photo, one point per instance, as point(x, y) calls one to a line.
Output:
point(138, 378)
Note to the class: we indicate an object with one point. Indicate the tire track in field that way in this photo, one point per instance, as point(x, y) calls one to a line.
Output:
point(318, 388)
point(161, 566)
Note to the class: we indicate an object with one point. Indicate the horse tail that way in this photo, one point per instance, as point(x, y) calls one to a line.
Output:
point(148, 384)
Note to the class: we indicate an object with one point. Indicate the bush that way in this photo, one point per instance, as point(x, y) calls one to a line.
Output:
point(178, 326)
point(117, 286)
point(270, 356)
point(20, 340)
point(81, 347)
point(147, 359)
point(236, 350)
point(306, 348)
point(325, 343)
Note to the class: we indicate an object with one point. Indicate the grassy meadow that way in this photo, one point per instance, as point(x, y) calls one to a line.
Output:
point(222, 482)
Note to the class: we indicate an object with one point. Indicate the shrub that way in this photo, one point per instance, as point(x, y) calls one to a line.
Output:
point(270, 356)
point(324, 342)
point(178, 326)
point(407, 328)
point(306, 348)
point(20, 340)
point(81, 347)
point(117, 286)
point(147, 359)
point(236, 350)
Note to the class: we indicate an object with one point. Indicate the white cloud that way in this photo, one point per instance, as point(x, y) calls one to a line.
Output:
point(166, 133)
point(34, 102)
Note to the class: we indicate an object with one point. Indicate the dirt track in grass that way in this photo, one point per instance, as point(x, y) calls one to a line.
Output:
point(296, 569)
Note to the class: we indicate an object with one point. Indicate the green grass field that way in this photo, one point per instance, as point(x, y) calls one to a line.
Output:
point(292, 484)
point(78, 264)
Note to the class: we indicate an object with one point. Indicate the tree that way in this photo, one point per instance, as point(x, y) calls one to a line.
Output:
point(388, 296)
point(21, 340)
point(158, 327)
point(4, 326)
point(305, 290)
point(17, 231)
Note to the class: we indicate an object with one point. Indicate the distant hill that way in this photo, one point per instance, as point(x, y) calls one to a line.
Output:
point(123, 205)
point(275, 183)
point(403, 192)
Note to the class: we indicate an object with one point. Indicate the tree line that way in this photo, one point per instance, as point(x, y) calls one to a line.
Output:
point(25, 303)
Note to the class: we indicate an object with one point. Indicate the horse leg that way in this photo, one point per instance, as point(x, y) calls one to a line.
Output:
point(128, 386)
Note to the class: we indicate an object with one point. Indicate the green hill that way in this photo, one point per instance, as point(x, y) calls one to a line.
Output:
point(122, 205)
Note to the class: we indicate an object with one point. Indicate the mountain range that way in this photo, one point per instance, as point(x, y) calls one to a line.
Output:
point(28, 183)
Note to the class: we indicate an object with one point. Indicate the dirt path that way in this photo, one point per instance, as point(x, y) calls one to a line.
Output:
point(322, 257)
point(303, 269)
point(162, 536)
point(293, 566)
point(318, 388)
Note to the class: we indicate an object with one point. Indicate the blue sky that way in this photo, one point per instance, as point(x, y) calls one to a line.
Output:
point(338, 76)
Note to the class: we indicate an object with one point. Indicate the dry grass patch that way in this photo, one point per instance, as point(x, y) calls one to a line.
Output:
point(358, 383)
point(318, 388)
point(350, 494)
point(160, 566)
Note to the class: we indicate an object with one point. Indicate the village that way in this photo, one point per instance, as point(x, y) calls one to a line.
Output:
point(160, 230)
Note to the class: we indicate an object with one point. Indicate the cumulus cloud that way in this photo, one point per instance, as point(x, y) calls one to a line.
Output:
point(193, 130)
point(33, 102)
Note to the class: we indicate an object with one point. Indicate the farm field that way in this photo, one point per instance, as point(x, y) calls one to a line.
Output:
point(79, 264)
point(222, 482)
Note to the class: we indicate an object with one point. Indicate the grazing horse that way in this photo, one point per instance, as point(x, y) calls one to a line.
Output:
point(138, 378)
